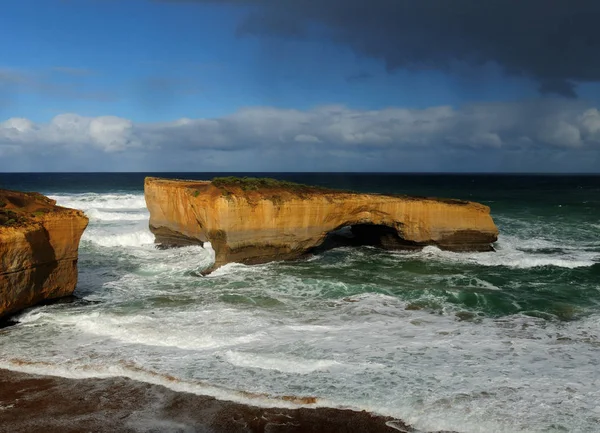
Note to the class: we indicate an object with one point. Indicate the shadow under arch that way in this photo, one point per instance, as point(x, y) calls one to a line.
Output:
point(365, 234)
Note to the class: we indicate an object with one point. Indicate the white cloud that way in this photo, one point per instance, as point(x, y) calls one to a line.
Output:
point(590, 122)
point(561, 133)
point(108, 133)
point(112, 133)
point(18, 124)
point(264, 138)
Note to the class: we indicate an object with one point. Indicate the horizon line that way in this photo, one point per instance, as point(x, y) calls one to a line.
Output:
point(523, 173)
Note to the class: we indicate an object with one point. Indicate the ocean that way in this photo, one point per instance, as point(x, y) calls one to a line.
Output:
point(505, 341)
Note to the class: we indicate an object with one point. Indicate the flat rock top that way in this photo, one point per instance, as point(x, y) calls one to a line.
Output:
point(268, 188)
point(19, 209)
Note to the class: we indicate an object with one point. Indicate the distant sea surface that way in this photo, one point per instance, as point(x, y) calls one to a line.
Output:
point(506, 341)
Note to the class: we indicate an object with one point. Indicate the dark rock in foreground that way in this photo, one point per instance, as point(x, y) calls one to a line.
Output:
point(32, 404)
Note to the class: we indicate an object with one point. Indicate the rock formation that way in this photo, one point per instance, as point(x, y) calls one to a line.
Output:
point(259, 220)
point(39, 244)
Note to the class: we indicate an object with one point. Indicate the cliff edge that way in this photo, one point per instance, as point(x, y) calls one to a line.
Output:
point(259, 220)
point(39, 244)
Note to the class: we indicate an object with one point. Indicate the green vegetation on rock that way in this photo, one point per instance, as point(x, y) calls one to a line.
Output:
point(256, 184)
point(10, 218)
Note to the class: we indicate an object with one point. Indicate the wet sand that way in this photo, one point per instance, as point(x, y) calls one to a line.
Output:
point(31, 404)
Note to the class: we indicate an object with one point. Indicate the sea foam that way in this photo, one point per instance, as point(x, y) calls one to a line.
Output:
point(133, 239)
point(100, 215)
point(516, 253)
point(89, 201)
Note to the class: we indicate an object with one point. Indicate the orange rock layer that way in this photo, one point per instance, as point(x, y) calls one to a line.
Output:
point(39, 244)
point(277, 223)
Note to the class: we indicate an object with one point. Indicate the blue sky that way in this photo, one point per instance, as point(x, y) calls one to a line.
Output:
point(152, 61)
point(140, 66)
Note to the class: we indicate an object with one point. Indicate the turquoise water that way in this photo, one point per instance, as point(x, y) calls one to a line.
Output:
point(505, 341)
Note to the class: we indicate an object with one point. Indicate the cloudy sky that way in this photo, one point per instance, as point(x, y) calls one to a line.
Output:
point(300, 85)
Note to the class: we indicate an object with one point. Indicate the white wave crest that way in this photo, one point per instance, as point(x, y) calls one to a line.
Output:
point(133, 239)
point(285, 364)
point(132, 371)
point(143, 330)
point(231, 268)
point(518, 254)
point(100, 215)
point(89, 201)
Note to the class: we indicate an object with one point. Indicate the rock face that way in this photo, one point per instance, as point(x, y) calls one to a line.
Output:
point(256, 221)
point(39, 244)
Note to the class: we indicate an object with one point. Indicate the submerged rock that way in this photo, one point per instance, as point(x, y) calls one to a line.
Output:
point(39, 244)
point(259, 220)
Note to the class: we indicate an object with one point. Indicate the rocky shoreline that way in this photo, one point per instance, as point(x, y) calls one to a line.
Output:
point(31, 403)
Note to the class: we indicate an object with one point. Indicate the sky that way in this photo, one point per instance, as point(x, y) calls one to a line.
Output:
point(300, 85)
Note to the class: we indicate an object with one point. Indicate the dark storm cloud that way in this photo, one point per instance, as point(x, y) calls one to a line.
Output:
point(555, 42)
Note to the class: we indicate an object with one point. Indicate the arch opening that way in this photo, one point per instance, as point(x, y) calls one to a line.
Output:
point(357, 235)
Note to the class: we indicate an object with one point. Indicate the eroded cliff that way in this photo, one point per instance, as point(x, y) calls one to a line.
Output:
point(39, 244)
point(255, 221)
